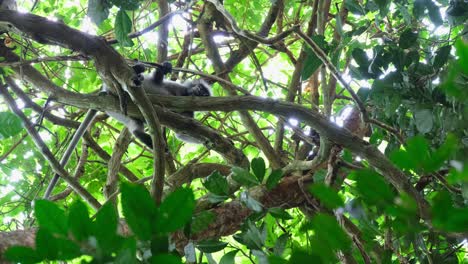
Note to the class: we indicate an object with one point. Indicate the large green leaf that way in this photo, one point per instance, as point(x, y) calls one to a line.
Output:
point(210, 246)
point(139, 210)
point(127, 4)
point(383, 6)
point(79, 222)
point(229, 258)
point(105, 229)
point(176, 210)
point(250, 202)
point(447, 217)
point(46, 244)
point(373, 188)
point(166, 259)
point(329, 237)
point(22, 254)
point(258, 168)
point(253, 237)
point(216, 183)
point(98, 10)
point(326, 195)
point(354, 7)
point(312, 62)
point(50, 217)
point(123, 26)
point(274, 178)
point(10, 125)
point(244, 177)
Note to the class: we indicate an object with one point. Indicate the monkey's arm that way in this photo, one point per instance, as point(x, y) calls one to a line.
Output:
point(158, 75)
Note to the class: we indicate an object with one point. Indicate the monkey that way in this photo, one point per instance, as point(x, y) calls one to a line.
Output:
point(155, 84)
point(457, 8)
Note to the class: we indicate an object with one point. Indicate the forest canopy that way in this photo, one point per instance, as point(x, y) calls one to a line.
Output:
point(333, 132)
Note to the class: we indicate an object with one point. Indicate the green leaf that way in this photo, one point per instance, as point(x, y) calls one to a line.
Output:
point(127, 254)
point(443, 153)
point(403, 160)
point(46, 244)
point(299, 256)
point(123, 26)
point(258, 167)
point(127, 4)
point(176, 210)
point(79, 222)
point(279, 213)
point(243, 177)
point(354, 7)
point(201, 221)
point(50, 217)
point(327, 196)
point(280, 244)
point(424, 120)
point(446, 217)
point(250, 202)
point(328, 230)
point(373, 188)
point(67, 249)
point(211, 246)
point(441, 56)
point(20, 254)
point(419, 151)
point(462, 53)
point(407, 17)
point(98, 11)
point(229, 258)
point(274, 178)
point(418, 147)
point(312, 62)
point(213, 198)
point(10, 125)
point(139, 210)
point(160, 244)
point(253, 237)
point(383, 6)
point(105, 228)
point(272, 259)
point(216, 184)
point(416, 156)
point(166, 259)
point(407, 39)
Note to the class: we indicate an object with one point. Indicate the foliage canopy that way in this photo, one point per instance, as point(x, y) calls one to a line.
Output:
point(337, 133)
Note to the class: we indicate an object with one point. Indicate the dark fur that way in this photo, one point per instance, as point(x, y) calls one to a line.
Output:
point(155, 84)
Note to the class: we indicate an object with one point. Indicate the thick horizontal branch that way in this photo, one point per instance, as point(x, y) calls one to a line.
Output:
point(212, 139)
point(315, 120)
point(112, 68)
